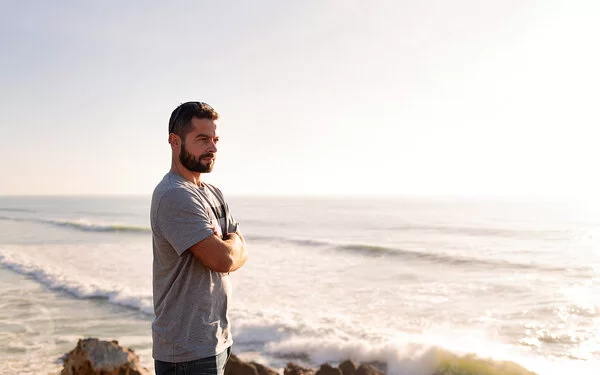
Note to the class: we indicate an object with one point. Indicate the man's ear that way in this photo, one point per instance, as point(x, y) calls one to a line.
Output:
point(174, 140)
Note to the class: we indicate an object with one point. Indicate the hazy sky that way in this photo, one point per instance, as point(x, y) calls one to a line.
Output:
point(316, 97)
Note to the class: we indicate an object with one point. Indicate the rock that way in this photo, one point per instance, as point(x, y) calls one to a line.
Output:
point(365, 369)
point(294, 369)
point(327, 369)
point(264, 370)
point(236, 366)
point(96, 357)
point(347, 367)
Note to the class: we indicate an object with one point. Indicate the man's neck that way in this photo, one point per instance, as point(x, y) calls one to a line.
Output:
point(193, 177)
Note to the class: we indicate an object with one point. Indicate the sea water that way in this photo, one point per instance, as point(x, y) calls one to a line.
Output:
point(387, 279)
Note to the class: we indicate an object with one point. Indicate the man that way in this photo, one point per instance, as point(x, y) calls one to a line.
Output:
point(196, 243)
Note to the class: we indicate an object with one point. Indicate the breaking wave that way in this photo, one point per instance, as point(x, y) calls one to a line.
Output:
point(56, 280)
point(82, 225)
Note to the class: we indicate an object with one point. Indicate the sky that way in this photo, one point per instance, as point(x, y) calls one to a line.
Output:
point(327, 97)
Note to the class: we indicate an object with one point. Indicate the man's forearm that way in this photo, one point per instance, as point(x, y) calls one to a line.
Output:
point(221, 255)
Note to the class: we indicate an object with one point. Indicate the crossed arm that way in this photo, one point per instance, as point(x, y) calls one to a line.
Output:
point(222, 255)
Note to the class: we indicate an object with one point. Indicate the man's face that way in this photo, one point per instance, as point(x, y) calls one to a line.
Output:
point(199, 147)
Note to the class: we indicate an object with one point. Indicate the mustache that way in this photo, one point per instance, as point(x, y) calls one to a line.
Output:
point(207, 156)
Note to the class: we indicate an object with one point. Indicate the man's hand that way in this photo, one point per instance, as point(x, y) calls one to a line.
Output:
point(234, 238)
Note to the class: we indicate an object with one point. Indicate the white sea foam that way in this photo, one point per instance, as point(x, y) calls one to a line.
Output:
point(283, 337)
point(414, 355)
point(402, 355)
point(78, 276)
point(315, 340)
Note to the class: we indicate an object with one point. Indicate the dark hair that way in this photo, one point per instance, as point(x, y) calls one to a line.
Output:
point(180, 122)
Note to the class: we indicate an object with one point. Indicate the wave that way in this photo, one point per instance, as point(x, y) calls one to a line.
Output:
point(446, 258)
point(410, 354)
point(57, 281)
point(484, 232)
point(91, 227)
point(82, 225)
point(380, 251)
point(294, 241)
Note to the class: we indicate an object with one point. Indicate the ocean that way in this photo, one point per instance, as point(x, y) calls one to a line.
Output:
point(387, 279)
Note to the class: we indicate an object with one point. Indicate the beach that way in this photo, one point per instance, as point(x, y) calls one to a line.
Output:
point(382, 279)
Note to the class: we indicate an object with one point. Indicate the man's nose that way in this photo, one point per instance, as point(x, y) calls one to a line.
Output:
point(213, 147)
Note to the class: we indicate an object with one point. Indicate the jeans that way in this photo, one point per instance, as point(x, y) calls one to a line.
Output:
point(214, 365)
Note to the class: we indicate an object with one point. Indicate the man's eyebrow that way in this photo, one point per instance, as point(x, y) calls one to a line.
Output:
point(201, 135)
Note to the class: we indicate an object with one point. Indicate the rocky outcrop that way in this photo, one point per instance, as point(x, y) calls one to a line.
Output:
point(365, 369)
point(345, 368)
point(236, 366)
point(239, 367)
point(264, 370)
point(348, 367)
point(96, 357)
point(327, 369)
point(294, 369)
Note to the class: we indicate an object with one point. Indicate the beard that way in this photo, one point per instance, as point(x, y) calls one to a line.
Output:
point(193, 163)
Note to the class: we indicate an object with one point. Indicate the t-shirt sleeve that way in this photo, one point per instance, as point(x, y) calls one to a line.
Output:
point(182, 219)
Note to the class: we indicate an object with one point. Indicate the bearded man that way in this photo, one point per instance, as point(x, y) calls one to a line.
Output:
point(196, 244)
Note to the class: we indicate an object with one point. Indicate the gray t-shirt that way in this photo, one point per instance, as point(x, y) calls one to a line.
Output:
point(190, 300)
